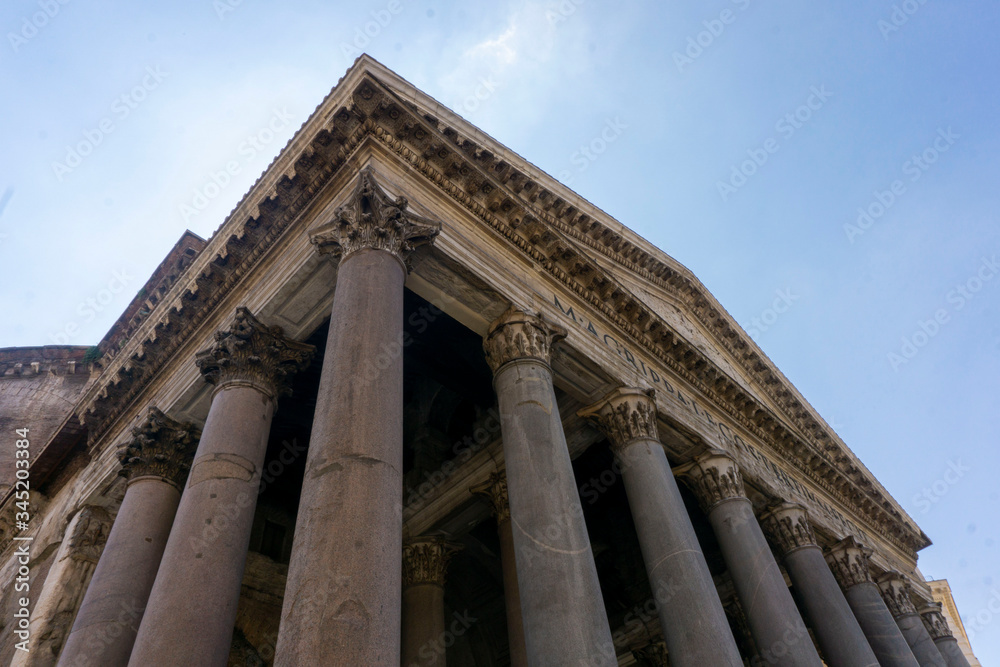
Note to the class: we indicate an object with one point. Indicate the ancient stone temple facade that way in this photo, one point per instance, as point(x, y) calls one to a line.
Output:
point(415, 402)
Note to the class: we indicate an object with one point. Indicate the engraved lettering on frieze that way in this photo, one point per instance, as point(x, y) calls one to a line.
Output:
point(250, 352)
point(372, 220)
point(160, 447)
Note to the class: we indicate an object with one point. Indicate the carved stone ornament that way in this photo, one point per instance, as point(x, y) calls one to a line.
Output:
point(425, 560)
point(934, 621)
point(788, 527)
point(714, 478)
point(252, 353)
point(89, 533)
point(520, 335)
point(495, 492)
point(372, 220)
point(848, 560)
point(896, 593)
point(625, 415)
point(160, 447)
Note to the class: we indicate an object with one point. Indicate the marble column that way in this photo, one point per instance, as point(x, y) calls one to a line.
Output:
point(896, 595)
point(565, 622)
point(65, 585)
point(425, 564)
point(694, 624)
point(775, 623)
point(156, 463)
point(840, 638)
point(849, 562)
point(344, 580)
point(192, 607)
point(937, 628)
point(495, 491)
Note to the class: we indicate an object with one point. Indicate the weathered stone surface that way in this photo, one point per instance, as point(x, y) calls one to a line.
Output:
point(939, 631)
point(425, 564)
point(896, 594)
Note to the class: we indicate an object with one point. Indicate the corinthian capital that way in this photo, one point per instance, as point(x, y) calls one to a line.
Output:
point(495, 491)
point(425, 560)
point(714, 477)
point(896, 593)
point(934, 621)
point(160, 447)
point(372, 220)
point(849, 561)
point(87, 534)
point(625, 415)
point(520, 335)
point(788, 527)
point(252, 353)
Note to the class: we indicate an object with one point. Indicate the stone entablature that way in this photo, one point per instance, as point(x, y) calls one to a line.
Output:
point(26, 362)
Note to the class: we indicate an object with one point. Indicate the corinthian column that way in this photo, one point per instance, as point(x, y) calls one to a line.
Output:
point(342, 596)
point(495, 491)
point(840, 637)
point(425, 562)
point(64, 586)
point(156, 464)
point(849, 562)
point(192, 608)
point(694, 623)
point(937, 628)
point(774, 621)
point(896, 595)
point(565, 622)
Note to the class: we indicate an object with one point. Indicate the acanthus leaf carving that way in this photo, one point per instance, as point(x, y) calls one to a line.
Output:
point(625, 415)
point(160, 447)
point(518, 334)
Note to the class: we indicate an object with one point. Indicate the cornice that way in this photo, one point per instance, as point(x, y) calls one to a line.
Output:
point(540, 224)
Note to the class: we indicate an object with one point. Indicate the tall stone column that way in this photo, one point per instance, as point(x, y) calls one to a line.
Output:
point(775, 623)
point(192, 607)
point(344, 579)
point(840, 637)
point(896, 595)
point(425, 563)
point(565, 622)
point(156, 464)
point(495, 490)
point(62, 593)
point(694, 623)
point(937, 628)
point(849, 562)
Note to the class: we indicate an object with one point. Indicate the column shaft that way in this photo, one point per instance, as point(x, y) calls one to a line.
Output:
point(565, 620)
point(774, 620)
point(923, 647)
point(883, 634)
point(695, 628)
point(423, 626)
point(952, 652)
point(512, 595)
point(938, 630)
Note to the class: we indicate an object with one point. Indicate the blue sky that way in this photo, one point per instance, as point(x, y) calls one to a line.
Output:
point(742, 137)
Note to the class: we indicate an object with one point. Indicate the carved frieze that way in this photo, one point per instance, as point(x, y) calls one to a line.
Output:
point(788, 527)
point(252, 353)
point(160, 447)
point(494, 489)
point(425, 560)
point(714, 477)
point(518, 334)
point(934, 621)
point(625, 415)
point(896, 593)
point(374, 221)
point(848, 560)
